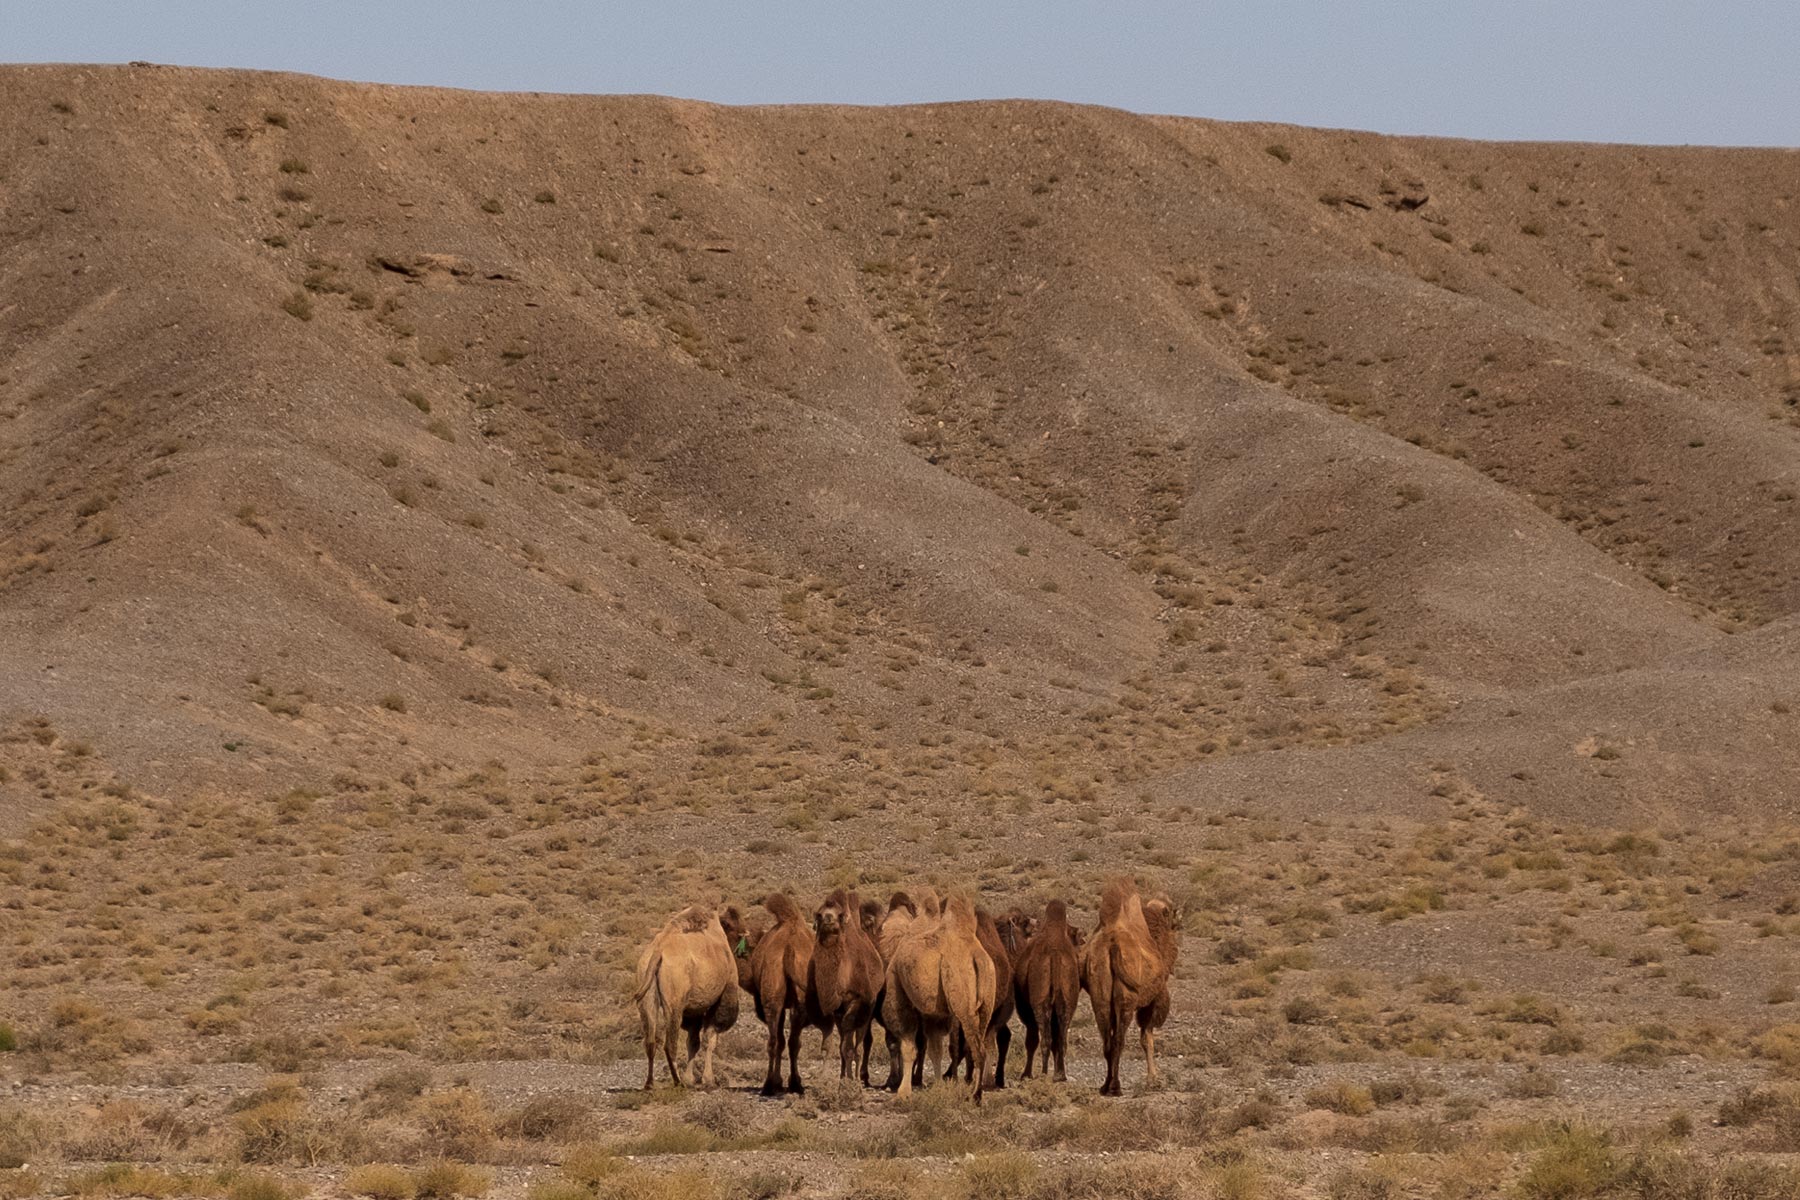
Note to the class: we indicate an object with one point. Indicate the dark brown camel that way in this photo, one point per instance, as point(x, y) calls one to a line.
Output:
point(1047, 983)
point(844, 979)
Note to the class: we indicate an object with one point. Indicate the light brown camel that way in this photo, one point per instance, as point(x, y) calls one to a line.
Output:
point(1047, 983)
point(778, 969)
point(940, 977)
point(1125, 969)
point(999, 1030)
point(844, 979)
point(902, 918)
point(686, 980)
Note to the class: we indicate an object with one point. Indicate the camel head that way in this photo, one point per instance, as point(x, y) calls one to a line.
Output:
point(870, 916)
point(831, 917)
point(743, 939)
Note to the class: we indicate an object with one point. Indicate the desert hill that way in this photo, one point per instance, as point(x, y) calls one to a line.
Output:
point(1010, 447)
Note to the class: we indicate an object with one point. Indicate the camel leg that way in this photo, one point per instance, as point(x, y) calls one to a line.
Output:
point(935, 1040)
point(975, 1041)
point(649, 1058)
point(1059, 1044)
point(1109, 1046)
point(896, 1057)
point(868, 1045)
point(909, 1051)
point(1148, 1037)
point(1002, 1041)
point(669, 1040)
point(1029, 1020)
point(797, 1028)
point(708, 1040)
point(693, 1052)
point(772, 1079)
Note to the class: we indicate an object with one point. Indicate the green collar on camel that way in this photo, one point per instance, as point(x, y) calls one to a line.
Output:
point(742, 949)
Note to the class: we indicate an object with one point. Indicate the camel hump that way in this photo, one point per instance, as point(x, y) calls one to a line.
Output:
point(694, 919)
point(1056, 913)
point(901, 900)
point(930, 905)
point(782, 907)
point(1119, 903)
point(959, 911)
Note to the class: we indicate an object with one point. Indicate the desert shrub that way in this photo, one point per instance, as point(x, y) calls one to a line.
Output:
point(672, 1137)
point(1361, 1183)
point(298, 305)
point(254, 1185)
point(545, 1117)
point(687, 1183)
point(457, 1125)
point(1575, 1162)
point(1005, 1176)
point(1342, 1096)
point(9, 1040)
point(723, 1114)
point(886, 1180)
point(395, 1090)
point(445, 1180)
point(21, 1134)
point(380, 1181)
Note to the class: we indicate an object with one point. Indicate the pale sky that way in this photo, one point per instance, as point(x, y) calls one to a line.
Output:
point(1726, 72)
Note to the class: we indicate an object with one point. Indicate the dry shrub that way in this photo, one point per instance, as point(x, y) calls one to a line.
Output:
point(685, 1184)
point(1361, 1183)
point(23, 1136)
point(1103, 1127)
point(1669, 1176)
point(456, 1124)
point(1008, 1176)
point(130, 1130)
point(1131, 1179)
point(380, 1181)
point(395, 1091)
point(546, 1118)
point(588, 1164)
point(725, 1115)
point(125, 1179)
point(254, 1185)
point(445, 1180)
point(1575, 1162)
point(1342, 1096)
point(885, 1180)
point(279, 1128)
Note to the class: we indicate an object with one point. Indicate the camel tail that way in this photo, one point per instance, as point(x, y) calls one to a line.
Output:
point(648, 977)
point(986, 998)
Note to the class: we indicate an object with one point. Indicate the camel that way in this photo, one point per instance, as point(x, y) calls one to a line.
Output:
point(994, 940)
point(938, 978)
point(901, 918)
point(1125, 969)
point(778, 969)
point(685, 980)
point(844, 979)
point(1047, 983)
point(742, 938)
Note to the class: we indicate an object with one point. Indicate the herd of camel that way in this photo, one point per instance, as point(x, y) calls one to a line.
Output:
point(933, 973)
